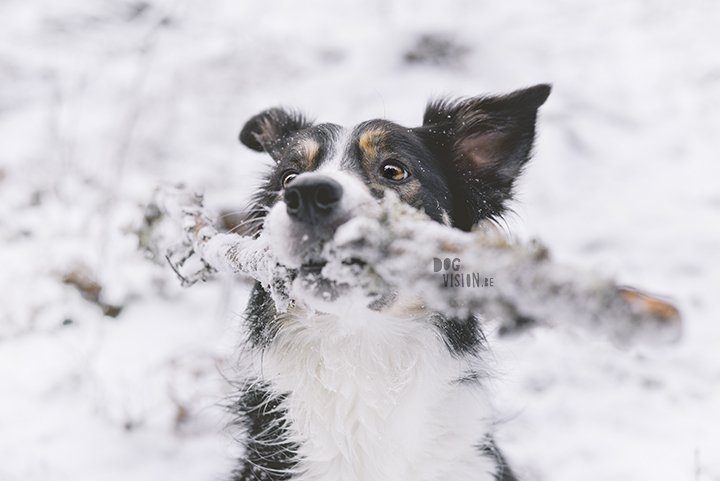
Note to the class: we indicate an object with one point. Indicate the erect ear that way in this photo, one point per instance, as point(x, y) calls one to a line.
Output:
point(269, 130)
point(485, 141)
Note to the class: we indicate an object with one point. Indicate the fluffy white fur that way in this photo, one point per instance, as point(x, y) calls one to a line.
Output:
point(377, 397)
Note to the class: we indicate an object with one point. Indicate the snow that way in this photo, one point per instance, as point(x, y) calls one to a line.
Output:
point(100, 102)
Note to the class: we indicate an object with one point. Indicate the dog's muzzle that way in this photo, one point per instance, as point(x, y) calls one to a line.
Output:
point(314, 201)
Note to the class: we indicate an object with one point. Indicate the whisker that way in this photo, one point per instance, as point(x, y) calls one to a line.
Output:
point(247, 223)
point(234, 212)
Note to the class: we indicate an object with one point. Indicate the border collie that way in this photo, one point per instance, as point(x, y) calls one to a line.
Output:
point(342, 387)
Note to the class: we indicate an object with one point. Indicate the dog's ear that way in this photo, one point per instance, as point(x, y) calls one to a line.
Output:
point(485, 142)
point(268, 131)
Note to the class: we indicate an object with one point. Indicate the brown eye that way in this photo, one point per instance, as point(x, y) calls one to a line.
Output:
point(394, 172)
point(287, 178)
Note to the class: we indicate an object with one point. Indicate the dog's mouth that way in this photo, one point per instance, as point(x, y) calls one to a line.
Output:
point(313, 267)
point(316, 266)
point(328, 280)
point(354, 261)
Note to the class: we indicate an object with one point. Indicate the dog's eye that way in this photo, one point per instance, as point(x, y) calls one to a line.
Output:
point(394, 172)
point(287, 177)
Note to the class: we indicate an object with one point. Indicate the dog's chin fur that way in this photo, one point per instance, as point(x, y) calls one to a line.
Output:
point(374, 396)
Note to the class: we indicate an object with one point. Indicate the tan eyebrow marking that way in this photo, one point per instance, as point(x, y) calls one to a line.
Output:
point(371, 140)
point(308, 149)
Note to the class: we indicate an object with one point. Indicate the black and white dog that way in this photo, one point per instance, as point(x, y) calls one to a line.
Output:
point(346, 388)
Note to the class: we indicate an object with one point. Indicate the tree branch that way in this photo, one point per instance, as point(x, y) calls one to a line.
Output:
point(401, 250)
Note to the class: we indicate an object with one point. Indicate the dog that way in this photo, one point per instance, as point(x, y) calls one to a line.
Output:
point(346, 387)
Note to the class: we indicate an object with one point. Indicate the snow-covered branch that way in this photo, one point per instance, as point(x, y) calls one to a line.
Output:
point(455, 272)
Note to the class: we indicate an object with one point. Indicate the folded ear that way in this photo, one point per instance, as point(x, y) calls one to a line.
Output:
point(485, 142)
point(267, 130)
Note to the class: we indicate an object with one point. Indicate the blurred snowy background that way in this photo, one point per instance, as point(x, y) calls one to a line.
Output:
point(109, 370)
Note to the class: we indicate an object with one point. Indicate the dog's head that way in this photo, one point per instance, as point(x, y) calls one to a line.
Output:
point(459, 167)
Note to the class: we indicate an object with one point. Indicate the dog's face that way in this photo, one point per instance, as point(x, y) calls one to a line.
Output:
point(458, 167)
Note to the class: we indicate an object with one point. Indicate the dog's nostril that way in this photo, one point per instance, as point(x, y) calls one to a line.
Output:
point(292, 199)
point(327, 194)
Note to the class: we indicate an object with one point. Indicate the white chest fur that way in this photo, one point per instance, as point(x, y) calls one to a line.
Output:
point(378, 398)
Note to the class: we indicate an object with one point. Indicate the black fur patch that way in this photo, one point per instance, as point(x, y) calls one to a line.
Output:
point(462, 336)
point(426, 187)
point(269, 456)
point(504, 473)
point(261, 317)
point(268, 130)
point(485, 141)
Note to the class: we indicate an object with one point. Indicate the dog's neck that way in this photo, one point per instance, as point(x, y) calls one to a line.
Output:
point(376, 396)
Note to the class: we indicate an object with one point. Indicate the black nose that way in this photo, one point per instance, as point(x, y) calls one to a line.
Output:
point(312, 199)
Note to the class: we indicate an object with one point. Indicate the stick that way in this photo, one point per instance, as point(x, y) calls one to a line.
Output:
point(456, 273)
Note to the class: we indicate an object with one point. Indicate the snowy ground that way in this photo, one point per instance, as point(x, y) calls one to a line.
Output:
point(102, 100)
